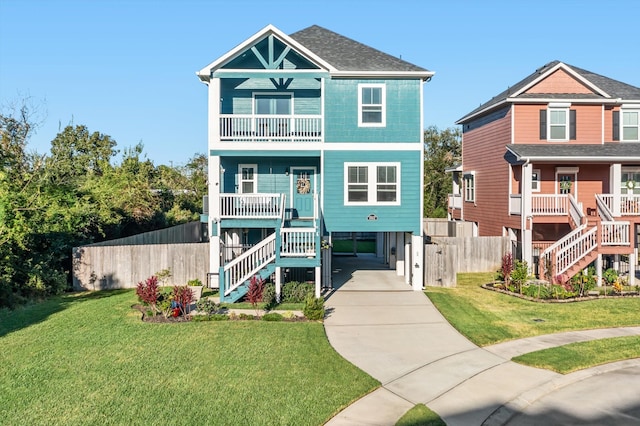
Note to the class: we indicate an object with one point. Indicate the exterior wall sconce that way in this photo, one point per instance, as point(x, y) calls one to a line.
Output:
point(286, 171)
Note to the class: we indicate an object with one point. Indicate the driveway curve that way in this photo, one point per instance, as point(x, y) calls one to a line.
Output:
point(396, 335)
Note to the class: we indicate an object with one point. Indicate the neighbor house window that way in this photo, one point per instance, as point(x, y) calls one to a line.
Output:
point(535, 180)
point(469, 187)
point(371, 105)
point(558, 123)
point(630, 125)
point(372, 183)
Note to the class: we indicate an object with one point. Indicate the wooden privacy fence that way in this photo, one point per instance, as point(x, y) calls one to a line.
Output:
point(450, 255)
point(192, 232)
point(123, 266)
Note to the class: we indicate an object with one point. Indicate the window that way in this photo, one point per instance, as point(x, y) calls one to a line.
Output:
point(558, 123)
point(372, 183)
point(371, 105)
point(247, 178)
point(630, 125)
point(272, 104)
point(470, 187)
point(535, 180)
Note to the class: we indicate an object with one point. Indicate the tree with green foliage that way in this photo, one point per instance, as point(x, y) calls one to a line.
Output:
point(442, 149)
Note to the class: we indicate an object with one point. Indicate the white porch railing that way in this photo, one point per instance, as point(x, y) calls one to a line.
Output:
point(279, 128)
point(298, 242)
point(251, 206)
point(622, 205)
point(604, 208)
point(249, 263)
point(455, 201)
point(549, 204)
point(615, 233)
point(575, 211)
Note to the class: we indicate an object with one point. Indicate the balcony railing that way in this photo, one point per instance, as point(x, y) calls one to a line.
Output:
point(272, 128)
point(251, 206)
point(455, 201)
point(298, 242)
point(615, 233)
point(622, 205)
point(549, 204)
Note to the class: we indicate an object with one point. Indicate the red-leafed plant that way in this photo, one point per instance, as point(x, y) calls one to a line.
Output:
point(183, 297)
point(148, 292)
point(255, 292)
point(507, 268)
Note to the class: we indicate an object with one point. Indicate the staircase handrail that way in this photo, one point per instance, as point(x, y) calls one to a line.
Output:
point(603, 209)
point(566, 240)
point(249, 263)
point(572, 253)
point(575, 211)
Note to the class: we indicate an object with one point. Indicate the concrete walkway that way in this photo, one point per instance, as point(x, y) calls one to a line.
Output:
point(397, 336)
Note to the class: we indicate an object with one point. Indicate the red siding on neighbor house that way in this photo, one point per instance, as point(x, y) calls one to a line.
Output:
point(483, 150)
point(588, 124)
point(559, 82)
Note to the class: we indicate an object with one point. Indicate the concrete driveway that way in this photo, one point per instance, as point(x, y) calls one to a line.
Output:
point(397, 336)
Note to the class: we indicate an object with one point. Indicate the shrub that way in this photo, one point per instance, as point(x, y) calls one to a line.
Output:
point(610, 276)
point(207, 306)
point(214, 317)
point(507, 267)
point(269, 294)
point(538, 291)
point(296, 292)
point(244, 316)
point(256, 289)
point(583, 282)
point(148, 292)
point(165, 302)
point(183, 297)
point(313, 308)
point(194, 282)
point(520, 274)
point(272, 316)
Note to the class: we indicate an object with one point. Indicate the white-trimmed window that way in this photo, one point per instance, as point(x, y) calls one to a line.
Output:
point(630, 125)
point(470, 187)
point(372, 184)
point(535, 180)
point(372, 105)
point(558, 123)
point(247, 178)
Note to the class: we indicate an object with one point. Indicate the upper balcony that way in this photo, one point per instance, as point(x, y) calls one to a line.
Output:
point(270, 128)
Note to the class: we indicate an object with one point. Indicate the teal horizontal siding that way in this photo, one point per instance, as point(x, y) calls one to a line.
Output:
point(271, 172)
point(404, 217)
point(402, 112)
point(237, 94)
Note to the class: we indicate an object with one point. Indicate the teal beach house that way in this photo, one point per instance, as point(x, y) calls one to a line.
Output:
point(311, 135)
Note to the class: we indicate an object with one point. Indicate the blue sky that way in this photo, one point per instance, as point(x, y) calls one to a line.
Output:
point(127, 68)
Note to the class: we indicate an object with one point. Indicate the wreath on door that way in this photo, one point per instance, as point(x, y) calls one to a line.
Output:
point(631, 184)
point(303, 186)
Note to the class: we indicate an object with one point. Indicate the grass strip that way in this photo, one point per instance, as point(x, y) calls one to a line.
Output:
point(420, 415)
point(577, 356)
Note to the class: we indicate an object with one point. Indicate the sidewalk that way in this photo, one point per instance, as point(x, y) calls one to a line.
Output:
point(397, 336)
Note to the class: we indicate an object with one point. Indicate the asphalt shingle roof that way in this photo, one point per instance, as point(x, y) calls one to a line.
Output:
point(346, 54)
point(594, 152)
point(614, 88)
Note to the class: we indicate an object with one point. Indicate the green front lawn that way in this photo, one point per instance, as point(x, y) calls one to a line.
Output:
point(486, 317)
point(88, 359)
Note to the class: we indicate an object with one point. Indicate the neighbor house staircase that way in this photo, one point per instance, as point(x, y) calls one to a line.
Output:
point(580, 247)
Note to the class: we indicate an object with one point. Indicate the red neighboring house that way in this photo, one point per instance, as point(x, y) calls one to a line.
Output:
point(554, 163)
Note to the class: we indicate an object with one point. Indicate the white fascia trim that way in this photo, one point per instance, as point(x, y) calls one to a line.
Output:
point(369, 146)
point(204, 73)
point(569, 71)
point(272, 146)
point(561, 169)
point(566, 101)
point(581, 159)
point(425, 75)
point(630, 105)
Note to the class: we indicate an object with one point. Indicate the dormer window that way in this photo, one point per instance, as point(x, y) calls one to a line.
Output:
point(558, 123)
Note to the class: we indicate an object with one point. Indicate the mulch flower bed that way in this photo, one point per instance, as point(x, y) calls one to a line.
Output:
point(499, 287)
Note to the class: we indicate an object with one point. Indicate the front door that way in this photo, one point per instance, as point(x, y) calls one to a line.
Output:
point(303, 186)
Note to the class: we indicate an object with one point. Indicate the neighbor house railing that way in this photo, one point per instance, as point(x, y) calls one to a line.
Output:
point(615, 233)
point(549, 204)
point(621, 205)
point(279, 128)
point(455, 201)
